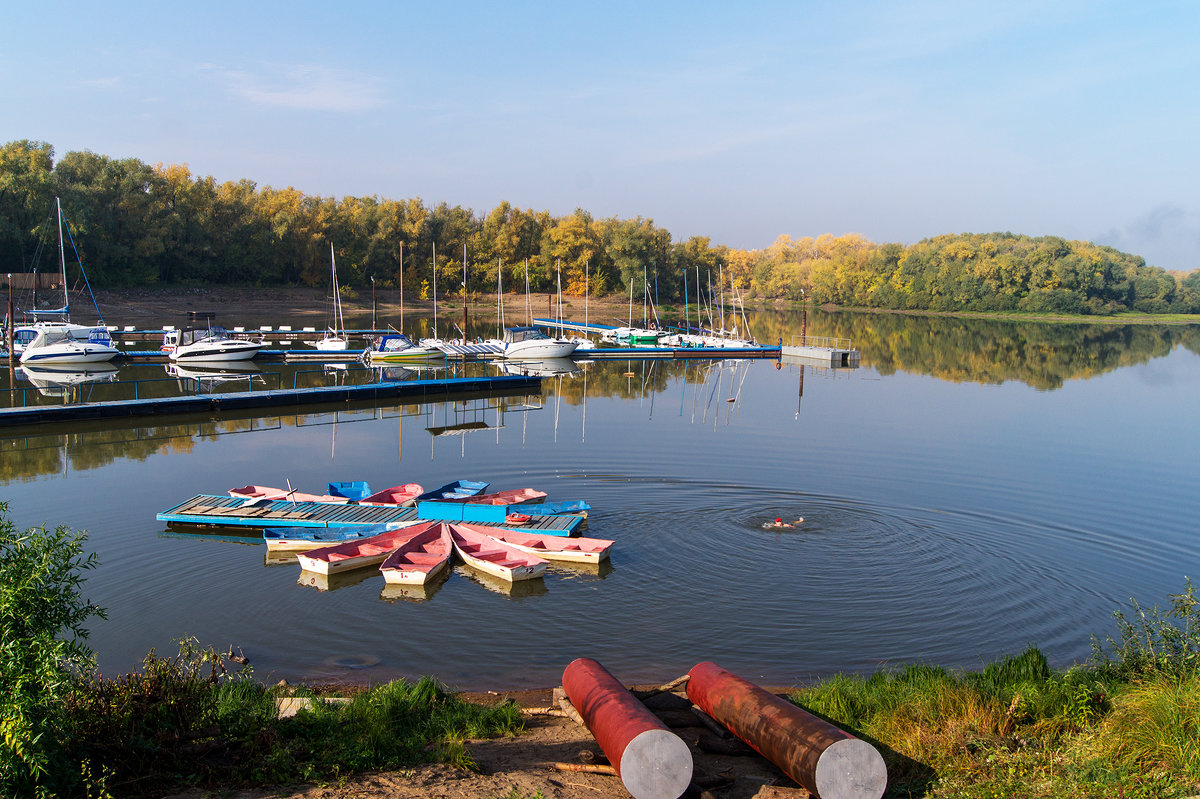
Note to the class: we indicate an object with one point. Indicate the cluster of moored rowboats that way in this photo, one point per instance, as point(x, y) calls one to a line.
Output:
point(455, 520)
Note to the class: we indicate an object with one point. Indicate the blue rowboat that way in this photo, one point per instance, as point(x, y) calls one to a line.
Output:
point(352, 490)
point(575, 507)
point(459, 489)
point(300, 539)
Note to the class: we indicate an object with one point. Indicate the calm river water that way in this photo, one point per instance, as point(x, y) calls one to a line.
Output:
point(972, 488)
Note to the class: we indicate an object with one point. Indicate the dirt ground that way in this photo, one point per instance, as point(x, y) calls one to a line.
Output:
point(255, 307)
point(524, 767)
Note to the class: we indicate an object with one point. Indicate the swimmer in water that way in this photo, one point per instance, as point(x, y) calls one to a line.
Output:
point(780, 524)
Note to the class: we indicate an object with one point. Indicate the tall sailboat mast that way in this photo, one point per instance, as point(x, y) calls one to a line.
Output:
point(62, 260)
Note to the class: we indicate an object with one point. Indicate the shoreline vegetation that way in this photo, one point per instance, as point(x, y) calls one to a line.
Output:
point(136, 224)
point(1126, 723)
point(169, 304)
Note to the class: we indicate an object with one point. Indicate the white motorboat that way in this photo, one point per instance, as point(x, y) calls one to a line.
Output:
point(63, 342)
point(207, 344)
point(531, 344)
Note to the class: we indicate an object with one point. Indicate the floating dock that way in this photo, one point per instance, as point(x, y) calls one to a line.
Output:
point(414, 390)
point(822, 351)
point(225, 511)
point(638, 353)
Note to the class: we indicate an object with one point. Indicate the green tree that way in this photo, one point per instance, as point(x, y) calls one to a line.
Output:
point(42, 649)
point(26, 192)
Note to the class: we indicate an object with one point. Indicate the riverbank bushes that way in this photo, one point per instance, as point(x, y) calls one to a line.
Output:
point(190, 720)
point(42, 647)
point(140, 224)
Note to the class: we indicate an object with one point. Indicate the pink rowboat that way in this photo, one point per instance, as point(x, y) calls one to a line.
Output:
point(268, 492)
point(421, 558)
point(396, 495)
point(512, 496)
point(490, 556)
point(550, 547)
point(358, 554)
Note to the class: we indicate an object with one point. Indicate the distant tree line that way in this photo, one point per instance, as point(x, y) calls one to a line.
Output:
point(140, 224)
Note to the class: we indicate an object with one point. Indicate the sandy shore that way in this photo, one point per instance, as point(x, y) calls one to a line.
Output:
point(524, 767)
point(256, 307)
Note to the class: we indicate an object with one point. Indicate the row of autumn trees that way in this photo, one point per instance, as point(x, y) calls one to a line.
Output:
point(141, 224)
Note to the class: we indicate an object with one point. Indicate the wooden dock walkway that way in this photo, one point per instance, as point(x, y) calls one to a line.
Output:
point(225, 511)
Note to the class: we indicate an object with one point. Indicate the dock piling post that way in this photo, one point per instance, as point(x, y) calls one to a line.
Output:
point(828, 762)
point(652, 761)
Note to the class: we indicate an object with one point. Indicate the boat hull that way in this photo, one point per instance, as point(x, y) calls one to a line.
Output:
point(420, 560)
point(357, 554)
point(84, 353)
point(229, 350)
point(552, 548)
point(495, 558)
point(539, 350)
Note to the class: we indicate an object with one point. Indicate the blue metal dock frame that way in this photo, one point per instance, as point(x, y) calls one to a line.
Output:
point(415, 390)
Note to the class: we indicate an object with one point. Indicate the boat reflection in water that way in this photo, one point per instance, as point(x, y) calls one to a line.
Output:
point(206, 380)
point(394, 592)
point(546, 367)
point(274, 557)
point(332, 582)
point(392, 374)
point(569, 570)
point(515, 590)
point(60, 380)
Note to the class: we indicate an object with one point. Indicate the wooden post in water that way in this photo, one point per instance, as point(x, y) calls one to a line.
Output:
point(828, 762)
point(8, 334)
point(8, 325)
point(651, 761)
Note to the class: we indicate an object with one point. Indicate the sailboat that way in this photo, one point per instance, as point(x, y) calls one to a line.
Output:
point(529, 343)
point(631, 336)
point(63, 342)
point(335, 340)
point(581, 342)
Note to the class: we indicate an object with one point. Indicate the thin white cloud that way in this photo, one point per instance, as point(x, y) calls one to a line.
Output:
point(306, 87)
point(99, 83)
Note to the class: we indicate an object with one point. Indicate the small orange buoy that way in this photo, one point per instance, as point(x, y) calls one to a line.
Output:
point(517, 518)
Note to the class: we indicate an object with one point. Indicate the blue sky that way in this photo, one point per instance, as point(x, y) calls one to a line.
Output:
point(741, 122)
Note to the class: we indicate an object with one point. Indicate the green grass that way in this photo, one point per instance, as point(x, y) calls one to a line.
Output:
point(1126, 724)
point(187, 721)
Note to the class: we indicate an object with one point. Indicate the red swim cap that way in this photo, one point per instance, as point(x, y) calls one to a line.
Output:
point(777, 521)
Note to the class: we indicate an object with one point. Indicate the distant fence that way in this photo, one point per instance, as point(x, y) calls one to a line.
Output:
point(822, 342)
point(23, 281)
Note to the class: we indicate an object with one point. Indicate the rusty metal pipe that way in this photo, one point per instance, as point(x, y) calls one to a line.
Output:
point(652, 761)
point(830, 763)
